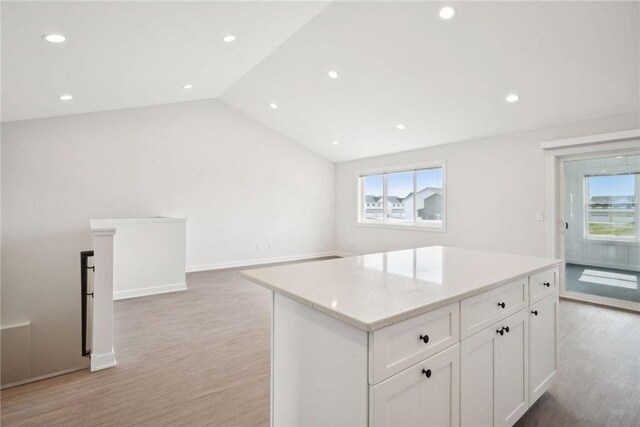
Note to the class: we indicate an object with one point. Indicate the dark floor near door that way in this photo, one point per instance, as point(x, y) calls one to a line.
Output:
point(604, 282)
point(201, 358)
point(598, 374)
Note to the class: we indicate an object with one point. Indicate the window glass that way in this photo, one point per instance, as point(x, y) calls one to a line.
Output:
point(399, 187)
point(373, 191)
point(611, 206)
point(406, 197)
point(429, 196)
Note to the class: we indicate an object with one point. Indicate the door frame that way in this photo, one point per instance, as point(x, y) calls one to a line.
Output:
point(559, 152)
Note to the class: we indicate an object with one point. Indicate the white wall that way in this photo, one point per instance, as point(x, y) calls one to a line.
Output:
point(238, 183)
point(149, 255)
point(495, 187)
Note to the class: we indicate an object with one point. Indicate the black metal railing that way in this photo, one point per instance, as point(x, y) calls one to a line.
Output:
point(84, 281)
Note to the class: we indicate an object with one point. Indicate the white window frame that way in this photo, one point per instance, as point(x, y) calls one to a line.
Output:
point(384, 171)
point(610, 171)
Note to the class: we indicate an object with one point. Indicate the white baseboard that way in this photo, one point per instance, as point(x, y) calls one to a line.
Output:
point(152, 290)
point(103, 361)
point(272, 260)
point(42, 377)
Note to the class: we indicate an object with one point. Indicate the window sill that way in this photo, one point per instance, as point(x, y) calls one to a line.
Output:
point(416, 227)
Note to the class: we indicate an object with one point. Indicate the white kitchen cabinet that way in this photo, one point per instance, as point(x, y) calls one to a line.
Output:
point(426, 394)
point(494, 371)
point(543, 284)
point(512, 375)
point(396, 347)
point(356, 347)
point(478, 366)
point(543, 338)
point(485, 309)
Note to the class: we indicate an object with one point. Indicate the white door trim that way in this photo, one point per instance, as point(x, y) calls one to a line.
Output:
point(603, 138)
point(556, 156)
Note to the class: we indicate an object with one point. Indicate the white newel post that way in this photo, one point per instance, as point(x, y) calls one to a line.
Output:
point(102, 353)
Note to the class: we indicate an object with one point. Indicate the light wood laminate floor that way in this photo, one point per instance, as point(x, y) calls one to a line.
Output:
point(201, 358)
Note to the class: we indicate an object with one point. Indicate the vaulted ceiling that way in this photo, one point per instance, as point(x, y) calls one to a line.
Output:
point(397, 63)
point(124, 54)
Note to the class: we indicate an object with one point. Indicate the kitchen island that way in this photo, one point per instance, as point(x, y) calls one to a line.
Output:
point(432, 336)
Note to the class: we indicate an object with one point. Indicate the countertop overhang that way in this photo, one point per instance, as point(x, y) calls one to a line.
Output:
point(372, 291)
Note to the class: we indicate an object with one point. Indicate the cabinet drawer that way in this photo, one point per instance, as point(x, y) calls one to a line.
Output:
point(403, 344)
point(426, 394)
point(480, 311)
point(543, 284)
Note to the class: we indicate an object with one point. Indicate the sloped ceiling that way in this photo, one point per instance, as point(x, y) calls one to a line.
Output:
point(445, 80)
point(131, 54)
point(398, 62)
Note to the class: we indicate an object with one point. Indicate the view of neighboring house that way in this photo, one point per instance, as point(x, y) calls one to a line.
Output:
point(395, 207)
point(374, 208)
point(612, 215)
point(612, 202)
point(612, 209)
point(429, 205)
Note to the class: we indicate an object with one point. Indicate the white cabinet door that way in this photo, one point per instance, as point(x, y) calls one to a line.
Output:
point(543, 338)
point(512, 373)
point(494, 373)
point(426, 394)
point(478, 365)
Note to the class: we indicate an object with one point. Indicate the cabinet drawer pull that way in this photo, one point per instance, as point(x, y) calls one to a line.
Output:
point(506, 329)
point(547, 284)
point(501, 304)
point(534, 312)
point(424, 338)
point(427, 372)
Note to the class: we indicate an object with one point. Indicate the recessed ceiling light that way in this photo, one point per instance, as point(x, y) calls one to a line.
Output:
point(333, 74)
point(229, 38)
point(400, 126)
point(512, 97)
point(54, 38)
point(187, 86)
point(334, 304)
point(335, 142)
point(65, 97)
point(619, 157)
point(447, 12)
point(274, 106)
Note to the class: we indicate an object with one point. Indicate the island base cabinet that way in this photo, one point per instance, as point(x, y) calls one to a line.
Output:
point(543, 332)
point(495, 373)
point(478, 365)
point(512, 386)
point(318, 369)
point(426, 394)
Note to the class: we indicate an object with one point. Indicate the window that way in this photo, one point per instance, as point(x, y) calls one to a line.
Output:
point(611, 207)
point(405, 197)
point(374, 188)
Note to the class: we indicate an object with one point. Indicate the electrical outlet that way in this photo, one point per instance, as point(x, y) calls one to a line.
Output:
point(257, 247)
point(540, 215)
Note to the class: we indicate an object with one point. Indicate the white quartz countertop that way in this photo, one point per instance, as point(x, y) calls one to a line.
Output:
point(378, 290)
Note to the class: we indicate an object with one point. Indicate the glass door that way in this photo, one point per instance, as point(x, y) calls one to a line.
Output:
point(601, 236)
